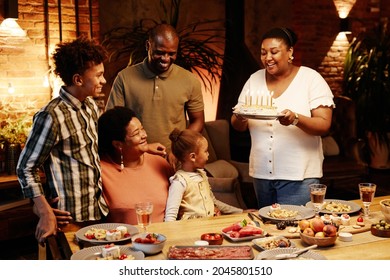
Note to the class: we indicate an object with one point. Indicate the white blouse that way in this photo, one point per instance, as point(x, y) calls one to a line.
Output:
point(286, 152)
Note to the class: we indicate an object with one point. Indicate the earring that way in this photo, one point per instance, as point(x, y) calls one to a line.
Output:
point(122, 164)
point(290, 59)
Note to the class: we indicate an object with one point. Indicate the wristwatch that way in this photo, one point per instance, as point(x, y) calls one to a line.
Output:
point(296, 120)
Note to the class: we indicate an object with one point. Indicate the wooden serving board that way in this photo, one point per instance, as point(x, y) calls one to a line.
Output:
point(374, 218)
point(272, 230)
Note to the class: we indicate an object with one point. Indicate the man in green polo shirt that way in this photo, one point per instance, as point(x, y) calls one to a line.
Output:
point(161, 93)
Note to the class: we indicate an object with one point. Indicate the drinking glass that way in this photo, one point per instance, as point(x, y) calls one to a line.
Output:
point(144, 211)
point(317, 196)
point(367, 193)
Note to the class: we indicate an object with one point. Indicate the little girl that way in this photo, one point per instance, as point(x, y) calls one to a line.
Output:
point(190, 194)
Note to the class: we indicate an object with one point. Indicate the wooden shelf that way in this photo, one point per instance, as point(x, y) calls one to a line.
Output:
point(10, 193)
point(8, 181)
point(12, 204)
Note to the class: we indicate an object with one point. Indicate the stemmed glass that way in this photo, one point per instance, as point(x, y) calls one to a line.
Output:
point(317, 196)
point(367, 193)
point(144, 211)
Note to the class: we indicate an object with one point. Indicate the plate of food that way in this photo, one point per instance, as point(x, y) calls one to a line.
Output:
point(108, 252)
point(216, 252)
point(243, 231)
point(270, 254)
point(285, 212)
point(232, 238)
point(106, 233)
point(337, 206)
point(272, 242)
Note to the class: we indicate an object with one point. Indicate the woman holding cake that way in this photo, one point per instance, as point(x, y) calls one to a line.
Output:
point(130, 174)
point(286, 154)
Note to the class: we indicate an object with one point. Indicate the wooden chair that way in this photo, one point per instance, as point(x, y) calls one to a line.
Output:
point(57, 247)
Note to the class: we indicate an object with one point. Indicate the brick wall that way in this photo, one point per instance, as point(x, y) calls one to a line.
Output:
point(25, 61)
point(324, 48)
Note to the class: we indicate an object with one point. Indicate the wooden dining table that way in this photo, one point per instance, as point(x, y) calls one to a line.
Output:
point(364, 245)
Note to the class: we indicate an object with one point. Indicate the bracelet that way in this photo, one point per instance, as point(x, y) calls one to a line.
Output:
point(296, 120)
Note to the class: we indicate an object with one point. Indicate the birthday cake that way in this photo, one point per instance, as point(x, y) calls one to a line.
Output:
point(257, 110)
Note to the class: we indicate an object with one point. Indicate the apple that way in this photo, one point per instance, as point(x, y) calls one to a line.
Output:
point(330, 230)
point(308, 231)
point(303, 224)
point(317, 224)
point(319, 234)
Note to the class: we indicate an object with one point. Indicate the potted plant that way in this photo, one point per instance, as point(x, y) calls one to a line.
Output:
point(200, 50)
point(367, 82)
point(14, 129)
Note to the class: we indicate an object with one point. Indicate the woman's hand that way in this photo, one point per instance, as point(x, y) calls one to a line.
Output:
point(317, 124)
point(288, 118)
point(239, 122)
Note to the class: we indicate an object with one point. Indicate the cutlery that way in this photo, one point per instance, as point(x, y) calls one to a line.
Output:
point(260, 218)
point(252, 217)
point(290, 255)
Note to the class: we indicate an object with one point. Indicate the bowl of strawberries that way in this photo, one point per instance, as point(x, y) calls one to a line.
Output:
point(149, 243)
point(212, 238)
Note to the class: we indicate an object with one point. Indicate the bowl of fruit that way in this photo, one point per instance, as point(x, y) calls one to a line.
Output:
point(385, 208)
point(315, 232)
point(212, 238)
point(149, 243)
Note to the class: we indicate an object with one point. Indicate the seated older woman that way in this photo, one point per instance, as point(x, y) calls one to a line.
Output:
point(130, 174)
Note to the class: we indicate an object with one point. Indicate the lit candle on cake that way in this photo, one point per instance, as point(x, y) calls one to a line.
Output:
point(248, 99)
point(261, 98)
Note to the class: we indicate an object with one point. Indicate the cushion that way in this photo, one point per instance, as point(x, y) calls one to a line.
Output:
point(221, 169)
point(329, 146)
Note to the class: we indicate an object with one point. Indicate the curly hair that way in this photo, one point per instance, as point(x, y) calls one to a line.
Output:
point(184, 142)
point(75, 57)
point(112, 126)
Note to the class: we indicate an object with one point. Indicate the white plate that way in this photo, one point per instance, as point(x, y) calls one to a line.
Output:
point(91, 253)
point(245, 238)
point(258, 241)
point(109, 226)
point(303, 213)
point(354, 206)
point(304, 256)
point(260, 117)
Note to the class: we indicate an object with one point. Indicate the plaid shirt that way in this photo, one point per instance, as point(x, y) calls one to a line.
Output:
point(63, 141)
